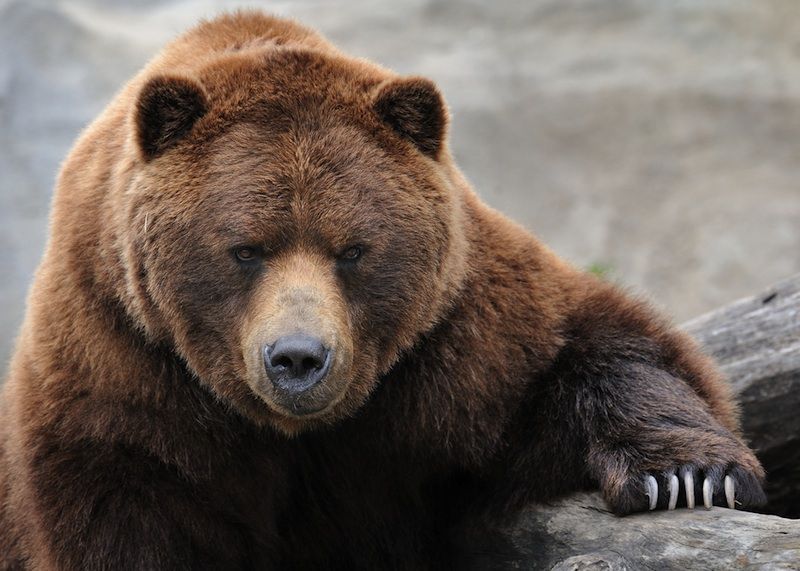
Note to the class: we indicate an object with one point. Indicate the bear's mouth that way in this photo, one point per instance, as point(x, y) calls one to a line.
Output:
point(295, 416)
point(300, 407)
point(303, 401)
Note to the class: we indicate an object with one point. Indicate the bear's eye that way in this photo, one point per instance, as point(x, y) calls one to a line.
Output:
point(351, 254)
point(246, 254)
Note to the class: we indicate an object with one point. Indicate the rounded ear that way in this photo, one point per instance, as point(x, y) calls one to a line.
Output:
point(415, 110)
point(167, 109)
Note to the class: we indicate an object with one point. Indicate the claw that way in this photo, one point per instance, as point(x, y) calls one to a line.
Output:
point(707, 494)
point(673, 491)
point(730, 492)
point(688, 484)
point(652, 490)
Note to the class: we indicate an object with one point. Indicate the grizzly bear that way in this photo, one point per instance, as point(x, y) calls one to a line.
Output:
point(275, 328)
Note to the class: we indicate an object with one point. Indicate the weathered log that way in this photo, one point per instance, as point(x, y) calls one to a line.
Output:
point(757, 343)
point(580, 533)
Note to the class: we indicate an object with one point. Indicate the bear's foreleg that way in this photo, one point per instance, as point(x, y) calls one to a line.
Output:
point(653, 442)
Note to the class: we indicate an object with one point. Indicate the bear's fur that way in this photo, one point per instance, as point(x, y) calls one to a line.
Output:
point(252, 181)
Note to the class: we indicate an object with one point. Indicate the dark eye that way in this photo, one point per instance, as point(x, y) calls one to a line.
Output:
point(246, 254)
point(351, 254)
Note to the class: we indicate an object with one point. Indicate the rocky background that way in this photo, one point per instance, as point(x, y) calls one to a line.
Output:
point(655, 140)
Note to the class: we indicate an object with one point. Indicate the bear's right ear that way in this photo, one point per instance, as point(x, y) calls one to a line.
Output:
point(167, 109)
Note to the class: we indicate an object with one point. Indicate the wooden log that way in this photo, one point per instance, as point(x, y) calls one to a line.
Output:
point(579, 533)
point(757, 343)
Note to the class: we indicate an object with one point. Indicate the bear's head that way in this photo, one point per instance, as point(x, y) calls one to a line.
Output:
point(291, 227)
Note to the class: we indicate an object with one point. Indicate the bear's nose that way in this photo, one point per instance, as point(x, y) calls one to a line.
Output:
point(295, 363)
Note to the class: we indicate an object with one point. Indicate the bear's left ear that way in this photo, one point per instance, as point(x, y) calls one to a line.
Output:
point(414, 108)
point(167, 109)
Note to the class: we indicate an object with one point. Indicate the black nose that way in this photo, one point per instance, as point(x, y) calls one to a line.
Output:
point(295, 363)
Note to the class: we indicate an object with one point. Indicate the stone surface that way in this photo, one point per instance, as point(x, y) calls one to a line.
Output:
point(656, 138)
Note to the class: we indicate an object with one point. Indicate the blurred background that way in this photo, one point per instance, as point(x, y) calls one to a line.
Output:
point(654, 141)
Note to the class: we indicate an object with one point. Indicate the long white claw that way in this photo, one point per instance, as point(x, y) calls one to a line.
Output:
point(730, 492)
point(688, 484)
point(707, 494)
point(652, 491)
point(673, 491)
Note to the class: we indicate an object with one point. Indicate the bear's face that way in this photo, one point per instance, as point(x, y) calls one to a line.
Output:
point(291, 247)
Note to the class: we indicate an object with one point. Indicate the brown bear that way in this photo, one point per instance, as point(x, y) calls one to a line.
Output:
point(274, 328)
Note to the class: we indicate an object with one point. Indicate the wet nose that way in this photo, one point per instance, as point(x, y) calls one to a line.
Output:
point(295, 363)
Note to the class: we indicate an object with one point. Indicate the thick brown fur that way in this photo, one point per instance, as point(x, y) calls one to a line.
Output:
point(475, 372)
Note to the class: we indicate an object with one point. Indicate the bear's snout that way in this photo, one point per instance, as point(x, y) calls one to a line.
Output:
point(298, 343)
point(296, 363)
